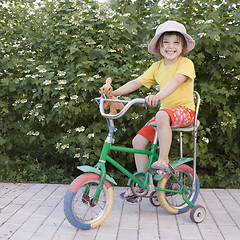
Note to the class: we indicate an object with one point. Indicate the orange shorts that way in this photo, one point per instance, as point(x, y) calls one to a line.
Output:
point(179, 117)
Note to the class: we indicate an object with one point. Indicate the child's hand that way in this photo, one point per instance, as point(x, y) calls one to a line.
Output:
point(152, 100)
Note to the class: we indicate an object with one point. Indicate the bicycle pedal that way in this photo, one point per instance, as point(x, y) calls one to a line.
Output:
point(134, 200)
point(156, 171)
point(152, 171)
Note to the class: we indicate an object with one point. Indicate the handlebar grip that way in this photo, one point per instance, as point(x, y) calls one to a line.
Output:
point(158, 104)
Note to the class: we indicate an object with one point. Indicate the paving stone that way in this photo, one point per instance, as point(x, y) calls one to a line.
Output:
point(124, 234)
point(148, 231)
point(18, 235)
point(35, 212)
point(230, 232)
point(108, 229)
point(7, 187)
point(235, 193)
point(190, 232)
point(44, 232)
point(169, 234)
point(29, 193)
point(8, 229)
point(15, 192)
point(211, 234)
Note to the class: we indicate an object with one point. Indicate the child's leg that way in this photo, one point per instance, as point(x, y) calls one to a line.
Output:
point(141, 161)
point(165, 120)
point(162, 120)
point(164, 135)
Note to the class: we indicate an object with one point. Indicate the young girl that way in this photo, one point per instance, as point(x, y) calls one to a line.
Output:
point(175, 75)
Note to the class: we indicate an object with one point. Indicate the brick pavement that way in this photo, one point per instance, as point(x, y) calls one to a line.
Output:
point(35, 212)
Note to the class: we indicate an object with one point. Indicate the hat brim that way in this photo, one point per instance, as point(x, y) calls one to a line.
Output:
point(154, 49)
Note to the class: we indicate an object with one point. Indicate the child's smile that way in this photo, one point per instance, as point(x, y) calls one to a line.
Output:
point(171, 48)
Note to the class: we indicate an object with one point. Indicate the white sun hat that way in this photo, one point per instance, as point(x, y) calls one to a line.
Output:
point(170, 26)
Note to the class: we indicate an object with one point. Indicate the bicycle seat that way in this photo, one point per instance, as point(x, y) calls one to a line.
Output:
point(181, 129)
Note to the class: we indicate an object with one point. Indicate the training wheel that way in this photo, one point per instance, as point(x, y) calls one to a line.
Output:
point(198, 214)
point(154, 199)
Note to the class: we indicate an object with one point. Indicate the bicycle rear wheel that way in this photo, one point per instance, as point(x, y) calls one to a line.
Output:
point(173, 202)
point(79, 207)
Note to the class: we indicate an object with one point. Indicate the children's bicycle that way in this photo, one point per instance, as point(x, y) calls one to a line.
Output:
point(89, 198)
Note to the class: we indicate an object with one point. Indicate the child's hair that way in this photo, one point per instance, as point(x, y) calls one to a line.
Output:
point(180, 37)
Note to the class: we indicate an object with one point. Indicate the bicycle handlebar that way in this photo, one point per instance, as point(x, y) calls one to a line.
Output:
point(123, 111)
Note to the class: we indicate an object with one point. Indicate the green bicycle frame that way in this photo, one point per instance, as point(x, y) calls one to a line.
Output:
point(107, 147)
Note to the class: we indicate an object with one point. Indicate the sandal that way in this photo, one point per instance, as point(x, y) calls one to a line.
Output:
point(159, 165)
point(128, 194)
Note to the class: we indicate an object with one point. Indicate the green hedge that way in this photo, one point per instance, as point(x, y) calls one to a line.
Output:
point(55, 56)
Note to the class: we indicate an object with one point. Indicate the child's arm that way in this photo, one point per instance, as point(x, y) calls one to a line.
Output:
point(167, 90)
point(127, 88)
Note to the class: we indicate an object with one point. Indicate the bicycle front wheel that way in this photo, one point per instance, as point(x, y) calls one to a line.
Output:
point(79, 207)
point(173, 202)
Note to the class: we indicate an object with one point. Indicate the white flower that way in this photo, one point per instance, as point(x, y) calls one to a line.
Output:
point(43, 70)
point(31, 112)
point(112, 50)
point(200, 21)
point(47, 82)
point(17, 101)
point(59, 88)
point(90, 79)
point(64, 146)
point(81, 129)
point(91, 43)
point(62, 97)
point(36, 133)
point(81, 75)
point(97, 76)
point(90, 135)
point(134, 31)
point(23, 100)
point(202, 35)
point(86, 155)
point(63, 33)
point(56, 105)
point(77, 155)
point(74, 97)
point(217, 38)
point(41, 118)
point(88, 28)
point(61, 73)
point(33, 133)
point(62, 82)
point(209, 21)
point(206, 140)
point(58, 145)
point(38, 105)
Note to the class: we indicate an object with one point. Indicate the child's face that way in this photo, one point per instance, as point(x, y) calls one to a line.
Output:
point(171, 48)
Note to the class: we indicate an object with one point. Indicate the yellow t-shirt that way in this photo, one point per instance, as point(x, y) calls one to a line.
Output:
point(158, 72)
